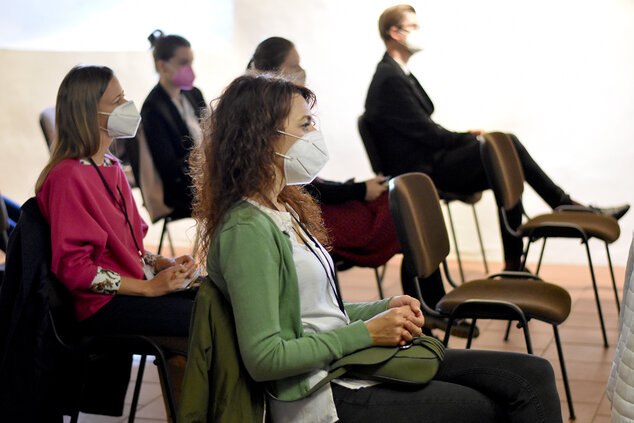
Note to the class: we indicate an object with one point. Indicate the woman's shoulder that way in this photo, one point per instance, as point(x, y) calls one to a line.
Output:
point(155, 97)
point(67, 169)
point(245, 214)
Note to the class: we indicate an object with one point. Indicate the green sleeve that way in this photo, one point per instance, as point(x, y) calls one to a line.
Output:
point(256, 263)
point(365, 311)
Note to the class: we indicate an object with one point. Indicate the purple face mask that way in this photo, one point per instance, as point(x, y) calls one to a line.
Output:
point(184, 78)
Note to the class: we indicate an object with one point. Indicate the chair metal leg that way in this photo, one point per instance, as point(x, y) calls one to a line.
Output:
point(169, 240)
point(541, 256)
point(169, 392)
point(596, 295)
point(455, 241)
point(137, 388)
point(564, 374)
point(160, 246)
point(508, 330)
point(448, 331)
point(527, 337)
point(379, 280)
point(471, 332)
point(477, 225)
point(616, 291)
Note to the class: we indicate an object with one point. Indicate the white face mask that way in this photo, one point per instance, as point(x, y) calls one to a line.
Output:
point(305, 158)
point(414, 40)
point(124, 120)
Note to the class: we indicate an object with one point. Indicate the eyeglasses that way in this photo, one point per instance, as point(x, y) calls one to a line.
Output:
point(414, 27)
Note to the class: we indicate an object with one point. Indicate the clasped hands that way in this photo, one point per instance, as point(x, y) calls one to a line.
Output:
point(399, 324)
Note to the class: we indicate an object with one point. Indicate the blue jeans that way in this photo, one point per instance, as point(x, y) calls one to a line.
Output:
point(470, 386)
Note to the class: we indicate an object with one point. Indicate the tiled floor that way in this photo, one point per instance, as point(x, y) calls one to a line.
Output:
point(588, 362)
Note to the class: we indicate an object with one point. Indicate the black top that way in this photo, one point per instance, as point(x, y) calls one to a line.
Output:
point(330, 192)
point(170, 142)
point(398, 113)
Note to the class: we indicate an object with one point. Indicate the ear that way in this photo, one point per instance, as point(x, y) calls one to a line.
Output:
point(161, 66)
point(395, 33)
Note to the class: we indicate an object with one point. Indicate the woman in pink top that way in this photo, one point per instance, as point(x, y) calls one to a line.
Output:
point(96, 230)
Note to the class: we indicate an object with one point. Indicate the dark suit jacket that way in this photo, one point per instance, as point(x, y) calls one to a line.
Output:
point(398, 113)
point(169, 142)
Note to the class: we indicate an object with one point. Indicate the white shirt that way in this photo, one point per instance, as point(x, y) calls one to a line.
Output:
point(402, 65)
point(188, 114)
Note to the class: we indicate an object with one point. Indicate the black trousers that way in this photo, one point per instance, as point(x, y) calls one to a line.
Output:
point(470, 386)
point(167, 315)
point(461, 171)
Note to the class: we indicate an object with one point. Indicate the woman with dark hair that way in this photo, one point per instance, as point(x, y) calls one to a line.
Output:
point(96, 230)
point(264, 245)
point(171, 115)
point(355, 213)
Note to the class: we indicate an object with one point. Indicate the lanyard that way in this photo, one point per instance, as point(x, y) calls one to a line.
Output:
point(122, 206)
point(330, 273)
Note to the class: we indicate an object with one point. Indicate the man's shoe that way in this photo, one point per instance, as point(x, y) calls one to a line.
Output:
point(460, 327)
point(616, 212)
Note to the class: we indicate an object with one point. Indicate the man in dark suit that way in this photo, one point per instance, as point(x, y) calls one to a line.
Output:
point(398, 112)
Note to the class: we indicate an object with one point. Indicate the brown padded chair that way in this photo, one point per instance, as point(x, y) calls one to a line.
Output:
point(504, 172)
point(415, 208)
point(470, 199)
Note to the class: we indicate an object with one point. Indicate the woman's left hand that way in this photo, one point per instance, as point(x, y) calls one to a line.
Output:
point(188, 263)
point(405, 300)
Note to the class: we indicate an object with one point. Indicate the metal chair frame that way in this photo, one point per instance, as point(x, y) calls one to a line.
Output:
point(571, 230)
point(83, 346)
point(476, 308)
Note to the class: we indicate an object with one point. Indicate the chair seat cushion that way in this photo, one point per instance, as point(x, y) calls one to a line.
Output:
point(537, 299)
point(593, 224)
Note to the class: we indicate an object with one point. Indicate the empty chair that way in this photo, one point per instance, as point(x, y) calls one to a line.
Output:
point(504, 171)
point(520, 296)
point(471, 199)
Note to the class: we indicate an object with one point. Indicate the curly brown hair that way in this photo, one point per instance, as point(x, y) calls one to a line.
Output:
point(236, 157)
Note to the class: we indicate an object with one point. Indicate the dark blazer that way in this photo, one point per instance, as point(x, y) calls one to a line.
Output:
point(398, 113)
point(169, 142)
point(330, 192)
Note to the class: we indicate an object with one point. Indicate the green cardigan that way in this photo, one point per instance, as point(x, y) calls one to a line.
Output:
point(251, 262)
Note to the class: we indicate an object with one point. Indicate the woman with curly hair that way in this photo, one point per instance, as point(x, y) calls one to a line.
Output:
point(264, 242)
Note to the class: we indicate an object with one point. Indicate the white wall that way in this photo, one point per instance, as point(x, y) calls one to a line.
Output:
point(558, 74)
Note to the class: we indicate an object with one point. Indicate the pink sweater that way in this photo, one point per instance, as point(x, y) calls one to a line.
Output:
point(88, 229)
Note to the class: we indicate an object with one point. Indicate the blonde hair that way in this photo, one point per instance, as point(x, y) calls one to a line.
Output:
point(76, 126)
point(392, 16)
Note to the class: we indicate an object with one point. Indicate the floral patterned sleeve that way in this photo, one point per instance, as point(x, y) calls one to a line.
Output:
point(106, 282)
point(150, 260)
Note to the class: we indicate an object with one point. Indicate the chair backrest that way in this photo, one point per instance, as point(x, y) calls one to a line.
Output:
point(47, 123)
point(370, 146)
point(147, 177)
point(4, 223)
point(503, 169)
point(419, 222)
